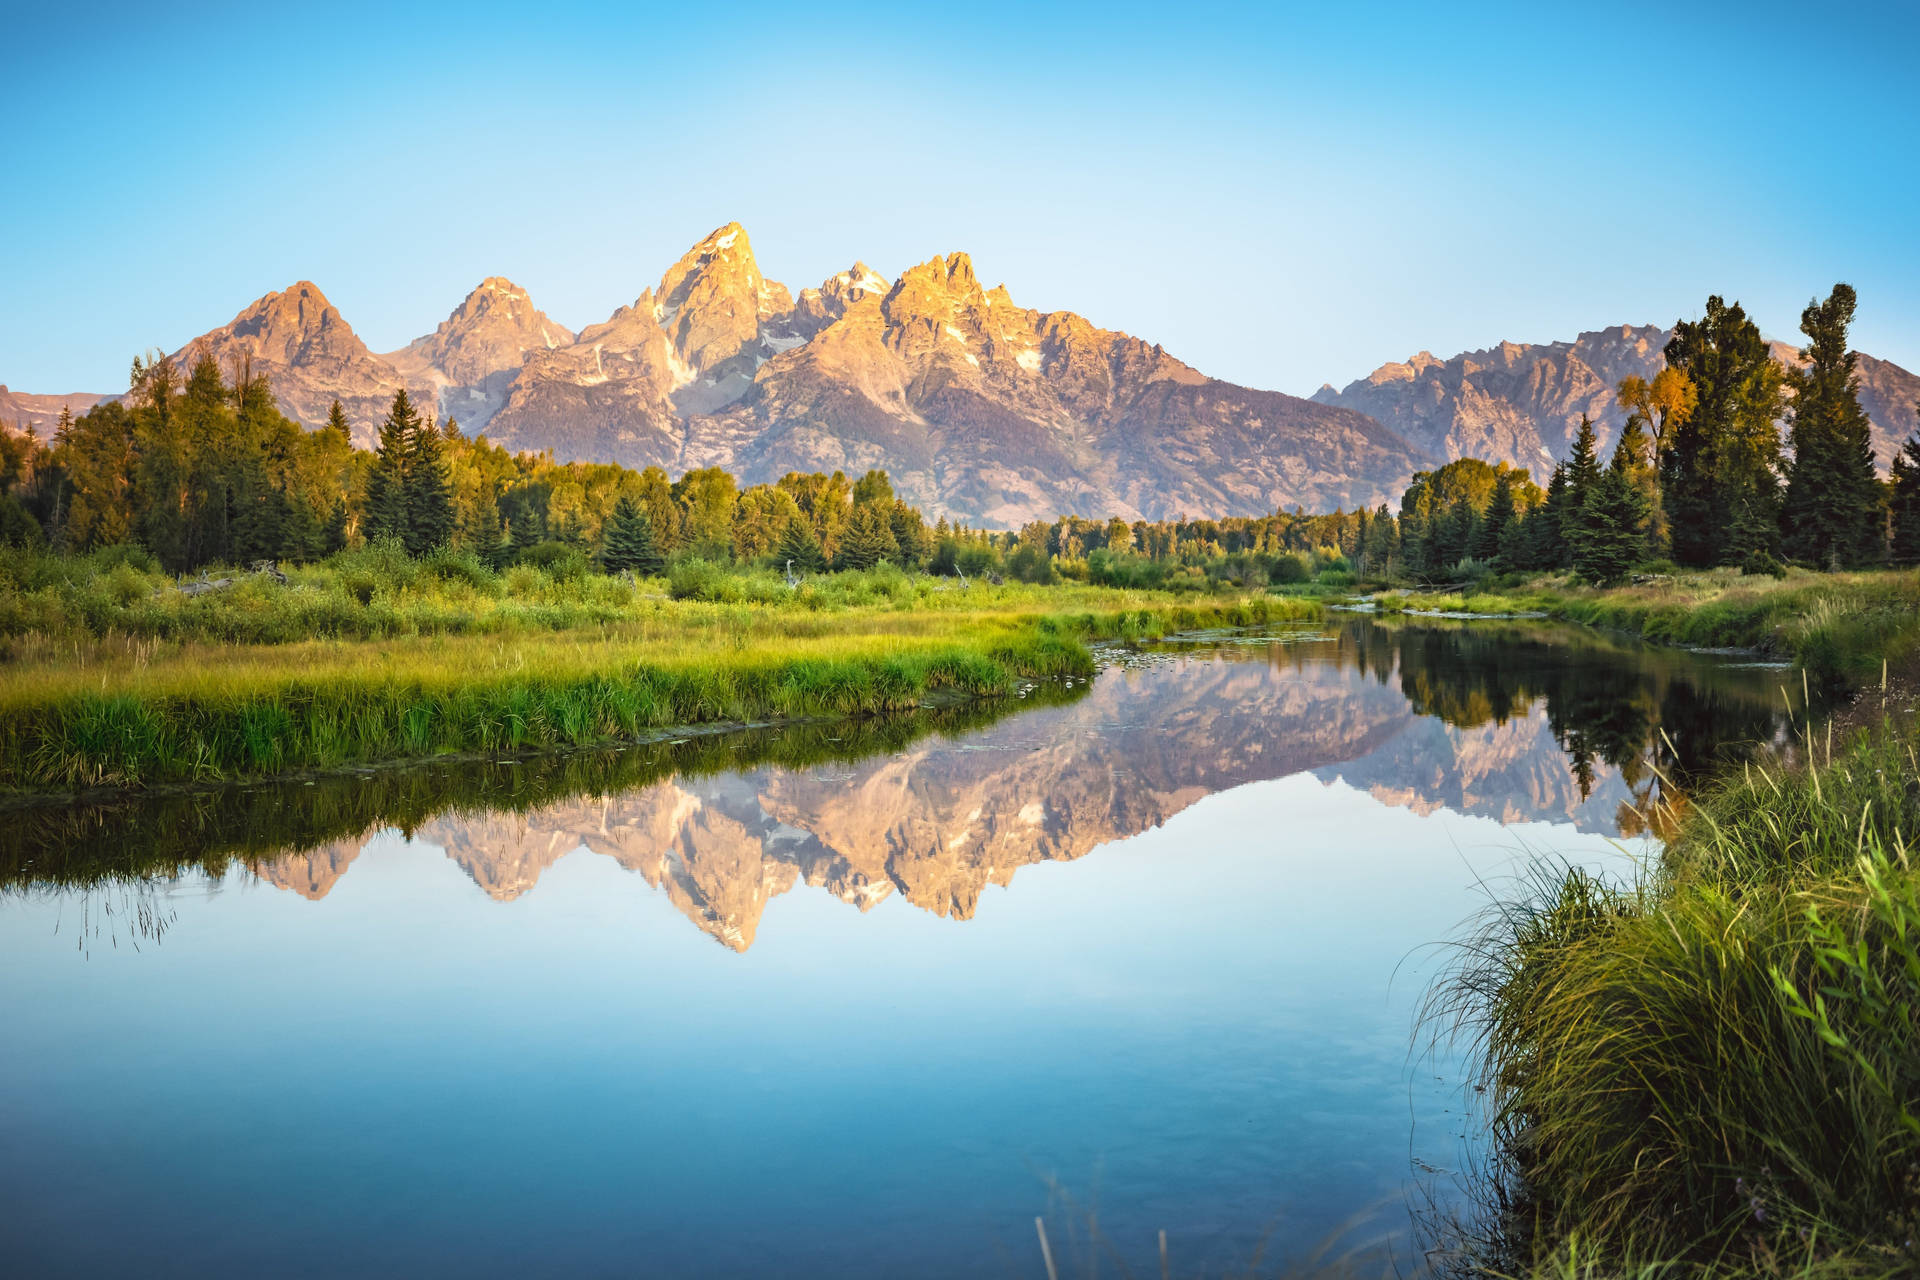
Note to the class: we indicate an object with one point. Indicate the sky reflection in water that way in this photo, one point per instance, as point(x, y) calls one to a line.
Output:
point(786, 1020)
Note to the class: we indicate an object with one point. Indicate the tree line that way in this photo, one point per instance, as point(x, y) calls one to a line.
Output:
point(1700, 474)
point(203, 468)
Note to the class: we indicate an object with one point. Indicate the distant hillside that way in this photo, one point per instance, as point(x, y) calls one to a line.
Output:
point(1521, 403)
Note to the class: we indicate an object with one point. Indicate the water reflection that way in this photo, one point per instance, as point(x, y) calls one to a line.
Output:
point(1514, 722)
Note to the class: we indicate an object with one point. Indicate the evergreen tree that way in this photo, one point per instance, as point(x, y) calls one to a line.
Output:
point(1416, 532)
point(333, 537)
point(1718, 480)
point(1583, 464)
point(337, 422)
point(1493, 525)
point(868, 539)
point(1632, 453)
point(1832, 510)
point(910, 534)
point(798, 547)
point(1547, 538)
point(489, 538)
point(1453, 534)
point(1906, 502)
point(1517, 542)
point(629, 541)
point(1612, 536)
point(430, 515)
point(385, 512)
point(527, 528)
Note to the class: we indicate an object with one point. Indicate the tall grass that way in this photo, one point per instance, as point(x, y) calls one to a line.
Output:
point(141, 835)
point(112, 711)
point(1717, 1068)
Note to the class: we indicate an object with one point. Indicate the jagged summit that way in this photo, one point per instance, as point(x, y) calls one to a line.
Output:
point(310, 356)
point(1521, 402)
point(488, 334)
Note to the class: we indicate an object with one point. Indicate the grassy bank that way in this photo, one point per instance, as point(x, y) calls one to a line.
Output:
point(1839, 626)
point(263, 678)
point(1716, 1070)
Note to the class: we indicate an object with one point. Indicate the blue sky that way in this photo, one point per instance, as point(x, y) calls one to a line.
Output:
point(1281, 196)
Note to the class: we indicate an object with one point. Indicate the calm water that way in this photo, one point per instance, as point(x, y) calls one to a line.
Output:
point(825, 1002)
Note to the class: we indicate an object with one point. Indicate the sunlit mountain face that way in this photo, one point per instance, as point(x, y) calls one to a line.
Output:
point(1519, 725)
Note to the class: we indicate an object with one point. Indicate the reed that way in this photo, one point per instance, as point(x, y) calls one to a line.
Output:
point(111, 709)
point(1714, 1070)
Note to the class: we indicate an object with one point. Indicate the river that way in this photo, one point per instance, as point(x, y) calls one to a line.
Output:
point(1145, 953)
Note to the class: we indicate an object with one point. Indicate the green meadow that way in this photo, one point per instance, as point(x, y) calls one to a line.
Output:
point(117, 678)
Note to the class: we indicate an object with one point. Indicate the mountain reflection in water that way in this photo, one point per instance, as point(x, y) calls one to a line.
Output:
point(1512, 722)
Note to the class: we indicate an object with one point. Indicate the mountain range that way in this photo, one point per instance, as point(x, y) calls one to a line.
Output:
point(980, 409)
point(1522, 403)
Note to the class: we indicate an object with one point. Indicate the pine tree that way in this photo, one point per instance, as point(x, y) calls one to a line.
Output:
point(334, 536)
point(430, 515)
point(1631, 454)
point(868, 540)
point(489, 539)
point(1906, 502)
point(1832, 510)
point(385, 513)
point(528, 527)
point(1612, 534)
point(337, 422)
point(1493, 525)
point(1718, 472)
point(798, 548)
point(1547, 539)
point(1517, 542)
point(1452, 535)
point(1583, 478)
point(629, 541)
point(910, 534)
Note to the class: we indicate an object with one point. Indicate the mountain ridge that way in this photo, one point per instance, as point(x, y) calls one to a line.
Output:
point(1521, 403)
point(980, 409)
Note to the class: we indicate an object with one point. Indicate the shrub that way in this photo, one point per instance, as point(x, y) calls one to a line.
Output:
point(561, 561)
point(463, 565)
point(1293, 567)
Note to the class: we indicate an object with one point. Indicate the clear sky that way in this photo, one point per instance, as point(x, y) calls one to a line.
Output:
point(1281, 195)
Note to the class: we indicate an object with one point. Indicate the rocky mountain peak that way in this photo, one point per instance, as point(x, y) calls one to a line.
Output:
point(938, 286)
point(488, 335)
point(296, 324)
point(310, 356)
point(712, 304)
point(817, 308)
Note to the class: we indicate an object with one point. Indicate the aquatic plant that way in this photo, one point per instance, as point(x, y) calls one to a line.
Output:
point(1715, 1069)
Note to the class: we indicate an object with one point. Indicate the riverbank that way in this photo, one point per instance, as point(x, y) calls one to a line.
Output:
point(1839, 627)
point(1713, 1071)
point(211, 688)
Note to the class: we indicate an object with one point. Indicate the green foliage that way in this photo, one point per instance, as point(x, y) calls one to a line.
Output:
point(429, 501)
point(798, 548)
point(1718, 474)
point(383, 514)
point(1833, 509)
point(1717, 1064)
point(1905, 500)
point(561, 561)
point(869, 537)
point(735, 646)
point(629, 545)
